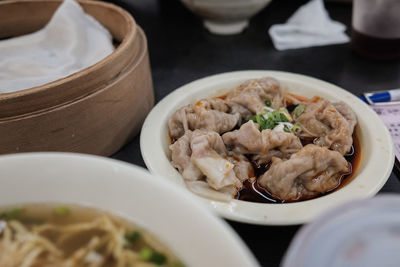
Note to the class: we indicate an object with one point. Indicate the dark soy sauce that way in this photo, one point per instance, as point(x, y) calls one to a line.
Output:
point(253, 192)
point(291, 108)
point(375, 47)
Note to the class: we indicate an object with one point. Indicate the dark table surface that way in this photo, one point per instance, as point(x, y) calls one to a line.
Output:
point(181, 51)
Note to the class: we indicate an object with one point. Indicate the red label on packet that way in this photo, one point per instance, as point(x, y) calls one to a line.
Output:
point(390, 114)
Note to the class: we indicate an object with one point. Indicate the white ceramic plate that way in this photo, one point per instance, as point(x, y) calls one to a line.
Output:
point(196, 236)
point(377, 151)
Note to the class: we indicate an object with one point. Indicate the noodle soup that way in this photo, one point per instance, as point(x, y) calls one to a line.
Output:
point(59, 235)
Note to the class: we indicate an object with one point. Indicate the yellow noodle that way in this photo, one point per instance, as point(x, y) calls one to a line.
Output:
point(17, 227)
point(7, 236)
point(79, 255)
point(30, 258)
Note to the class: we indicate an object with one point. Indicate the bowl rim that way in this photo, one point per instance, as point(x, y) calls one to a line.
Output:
point(151, 144)
point(14, 103)
point(126, 174)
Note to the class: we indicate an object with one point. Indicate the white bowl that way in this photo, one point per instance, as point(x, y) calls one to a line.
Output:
point(196, 236)
point(226, 16)
point(377, 150)
point(363, 233)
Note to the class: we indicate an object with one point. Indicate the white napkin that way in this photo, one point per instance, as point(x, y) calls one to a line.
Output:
point(309, 26)
point(71, 41)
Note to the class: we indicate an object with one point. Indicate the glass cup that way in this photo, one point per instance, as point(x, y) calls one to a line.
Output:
point(376, 28)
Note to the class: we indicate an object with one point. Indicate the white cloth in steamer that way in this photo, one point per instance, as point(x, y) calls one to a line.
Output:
point(70, 42)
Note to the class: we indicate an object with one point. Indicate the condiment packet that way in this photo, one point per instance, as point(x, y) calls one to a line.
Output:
point(390, 114)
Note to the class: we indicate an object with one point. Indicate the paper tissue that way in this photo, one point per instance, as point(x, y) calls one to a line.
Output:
point(309, 26)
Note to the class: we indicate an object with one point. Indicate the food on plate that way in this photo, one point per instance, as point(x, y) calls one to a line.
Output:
point(208, 114)
point(261, 145)
point(328, 124)
point(260, 140)
point(52, 235)
point(307, 173)
point(252, 94)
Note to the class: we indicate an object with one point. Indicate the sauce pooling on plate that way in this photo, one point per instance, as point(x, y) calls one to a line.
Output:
point(253, 192)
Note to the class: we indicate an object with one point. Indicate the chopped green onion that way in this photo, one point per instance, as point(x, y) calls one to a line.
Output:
point(296, 129)
point(285, 112)
point(133, 237)
point(269, 124)
point(158, 258)
point(299, 110)
point(269, 120)
point(283, 117)
point(11, 214)
point(268, 102)
point(253, 118)
point(276, 116)
point(62, 211)
point(286, 129)
point(14, 213)
point(145, 254)
point(177, 264)
point(260, 120)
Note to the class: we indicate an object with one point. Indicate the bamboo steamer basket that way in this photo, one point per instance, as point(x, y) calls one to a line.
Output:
point(97, 120)
point(19, 17)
